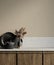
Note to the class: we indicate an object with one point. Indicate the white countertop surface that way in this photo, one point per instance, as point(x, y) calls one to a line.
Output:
point(36, 49)
point(35, 44)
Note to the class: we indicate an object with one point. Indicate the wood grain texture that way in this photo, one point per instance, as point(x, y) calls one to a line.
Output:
point(29, 58)
point(29, 52)
point(49, 58)
point(7, 59)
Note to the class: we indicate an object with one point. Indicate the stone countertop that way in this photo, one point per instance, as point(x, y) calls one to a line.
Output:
point(29, 49)
point(35, 44)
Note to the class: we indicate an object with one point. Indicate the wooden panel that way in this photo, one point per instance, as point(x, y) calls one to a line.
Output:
point(7, 59)
point(49, 58)
point(29, 58)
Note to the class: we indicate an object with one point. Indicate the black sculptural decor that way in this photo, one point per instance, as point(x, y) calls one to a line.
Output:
point(10, 40)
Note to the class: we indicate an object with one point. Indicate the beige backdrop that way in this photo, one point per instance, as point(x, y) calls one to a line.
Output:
point(36, 15)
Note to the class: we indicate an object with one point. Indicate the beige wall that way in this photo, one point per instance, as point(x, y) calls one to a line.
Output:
point(36, 15)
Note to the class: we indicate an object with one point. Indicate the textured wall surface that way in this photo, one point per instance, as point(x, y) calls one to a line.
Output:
point(36, 15)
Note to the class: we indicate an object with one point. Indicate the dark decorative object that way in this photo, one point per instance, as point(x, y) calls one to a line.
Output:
point(9, 40)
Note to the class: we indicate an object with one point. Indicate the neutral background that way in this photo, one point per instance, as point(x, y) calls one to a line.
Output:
point(36, 15)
